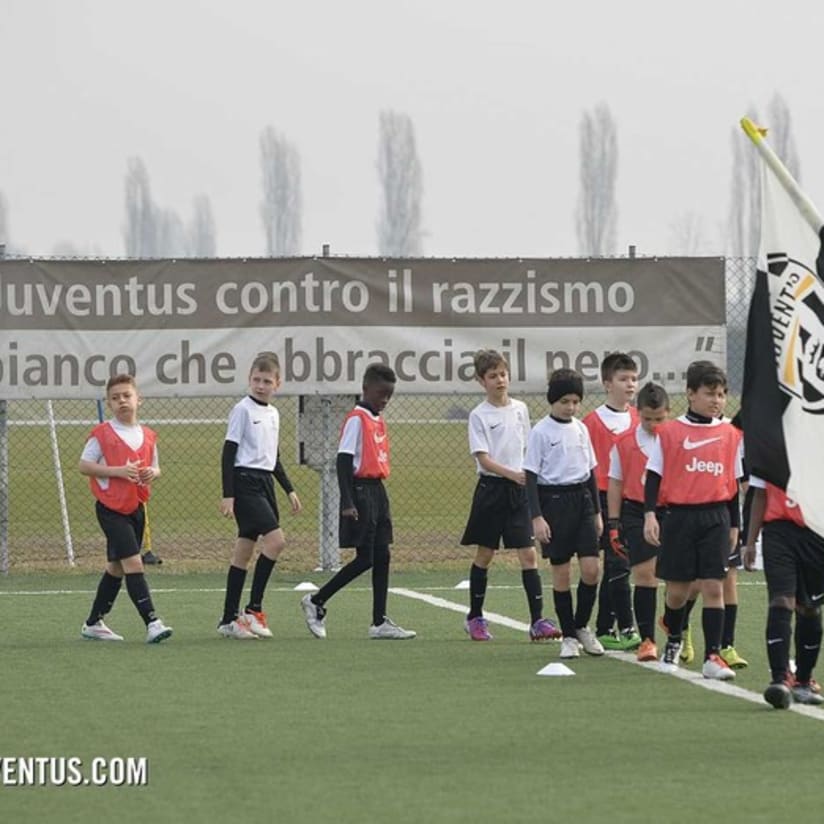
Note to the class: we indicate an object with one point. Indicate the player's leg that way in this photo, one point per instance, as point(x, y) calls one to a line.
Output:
point(781, 574)
point(645, 597)
point(585, 538)
point(809, 549)
point(728, 650)
point(270, 545)
point(540, 628)
point(94, 628)
point(484, 529)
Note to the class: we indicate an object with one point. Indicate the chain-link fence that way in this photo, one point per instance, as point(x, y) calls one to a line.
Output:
point(50, 508)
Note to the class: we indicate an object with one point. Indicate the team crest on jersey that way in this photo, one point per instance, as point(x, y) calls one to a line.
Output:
point(797, 325)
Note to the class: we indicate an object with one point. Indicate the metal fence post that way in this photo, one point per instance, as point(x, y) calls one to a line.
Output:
point(4, 474)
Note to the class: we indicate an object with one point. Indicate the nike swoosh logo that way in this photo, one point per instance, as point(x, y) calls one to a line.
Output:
point(688, 444)
point(771, 641)
point(380, 438)
point(494, 425)
point(554, 443)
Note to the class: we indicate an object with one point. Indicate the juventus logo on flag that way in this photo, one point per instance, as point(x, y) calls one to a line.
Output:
point(783, 398)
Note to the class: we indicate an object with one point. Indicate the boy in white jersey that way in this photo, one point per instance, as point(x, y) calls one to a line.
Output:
point(498, 432)
point(693, 469)
point(625, 497)
point(120, 460)
point(563, 501)
point(250, 461)
point(616, 415)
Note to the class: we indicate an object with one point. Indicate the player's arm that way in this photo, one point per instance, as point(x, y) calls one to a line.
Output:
point(540, 527)
point(90, 464)
point(592, 484)
point(286, 485)
point(151, 472)
point(758, 507)
point(495, 468)
point(227, 478)
point(350, 445)
point(652, 529)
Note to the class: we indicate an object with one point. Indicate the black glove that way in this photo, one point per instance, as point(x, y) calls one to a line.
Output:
point(616, 538)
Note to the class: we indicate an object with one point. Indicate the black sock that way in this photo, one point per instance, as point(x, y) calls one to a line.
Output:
point(687, 612)
point(674, 622)
point(586, 601)
point(380, 583)
point(235, 579)
point(531, 580)
point(730, 615)
point(645, 605)
point(263, 569)
point(477, 591)
point(563, 609)
point(779, 628)
point(807, 644)
point(712, 621)
point(621, 598)
point(345, 575)
point(605, 618)
point(138, 591)
point(107, 591)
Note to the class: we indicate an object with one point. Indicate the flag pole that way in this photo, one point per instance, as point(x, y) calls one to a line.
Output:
point(791, 187)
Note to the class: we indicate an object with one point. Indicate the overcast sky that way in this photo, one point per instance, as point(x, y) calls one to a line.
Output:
point(495, 90)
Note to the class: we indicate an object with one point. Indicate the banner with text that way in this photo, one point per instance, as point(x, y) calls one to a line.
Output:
point(192, 327)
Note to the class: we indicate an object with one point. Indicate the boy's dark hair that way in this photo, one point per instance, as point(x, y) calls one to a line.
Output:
point(377, 372)
point(266, 362)
point(652, 396)
point(616, 362)
point(705, 373)
point(486, 359)
point(564, 382)
point(123, 377)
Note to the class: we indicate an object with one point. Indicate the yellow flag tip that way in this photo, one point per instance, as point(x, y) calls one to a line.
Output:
point(754, 132)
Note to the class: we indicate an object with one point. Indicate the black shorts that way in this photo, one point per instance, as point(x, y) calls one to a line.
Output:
point(695, 543)
point(570, 513)
point(373, 526)
point(500, 512)
point(256, 510)
point(124, 533)
point(793, 562)
point(632, 526)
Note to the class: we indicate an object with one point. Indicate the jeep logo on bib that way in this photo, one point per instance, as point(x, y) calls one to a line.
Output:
point(710, 467)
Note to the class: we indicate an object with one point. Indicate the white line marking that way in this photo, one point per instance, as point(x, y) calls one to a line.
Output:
point(690, 676)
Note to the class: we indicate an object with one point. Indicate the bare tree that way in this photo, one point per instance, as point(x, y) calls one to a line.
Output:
point(597, 213)
point(140, 232)
point(401, 182)
point(745, 194)
point(780, 135)
point(687, 235)
point(202, 233)
point(172, 238)
point(282, 206)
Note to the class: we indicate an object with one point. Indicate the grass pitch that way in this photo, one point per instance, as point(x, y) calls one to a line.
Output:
point(438, 729)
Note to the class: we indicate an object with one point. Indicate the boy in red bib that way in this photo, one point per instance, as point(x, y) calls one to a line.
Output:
point(619, 374)
point(693, 469)
point(120, 460)
point(625, 496)
point(365, 519)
